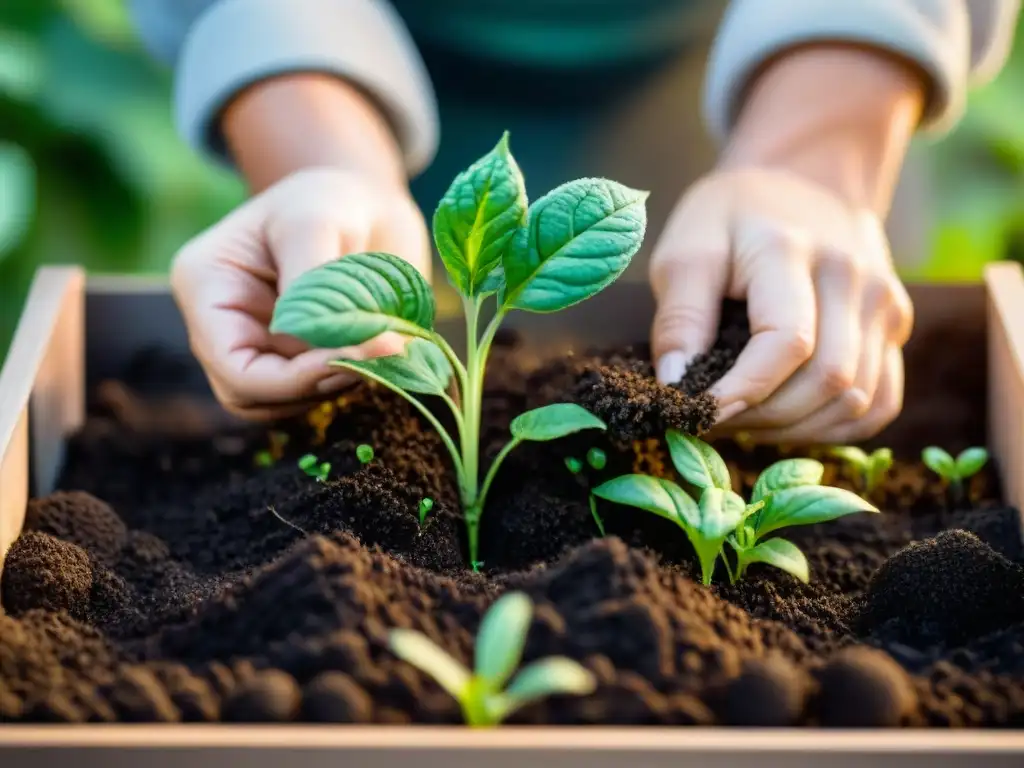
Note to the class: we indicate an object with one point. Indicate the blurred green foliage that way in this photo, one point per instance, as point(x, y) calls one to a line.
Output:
point(92, 171)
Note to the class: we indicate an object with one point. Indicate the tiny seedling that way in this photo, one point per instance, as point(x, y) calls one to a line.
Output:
point(597, 459)
point(364, 453)
point(426, 505)
point(565, 247)
point(482, 692)
point(955, 471)
point(264, 459)
point(314, 467)
point(574, 465)
point(785, 494)
point(868, 468)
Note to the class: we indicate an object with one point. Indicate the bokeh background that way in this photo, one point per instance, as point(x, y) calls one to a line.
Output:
point(92, 171)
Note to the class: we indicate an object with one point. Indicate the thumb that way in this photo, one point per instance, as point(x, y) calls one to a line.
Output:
point(688, 291)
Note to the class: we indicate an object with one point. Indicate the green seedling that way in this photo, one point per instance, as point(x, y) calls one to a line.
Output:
point(785, 494)
point(574, 465)
point(482, 692)
point(868, 468)
point(597, 459)
point(426, 505)
point(264, 459)
point(955, 471)
point(314, 467)
point(364, 453)
point(593, 512)
point(565, 247)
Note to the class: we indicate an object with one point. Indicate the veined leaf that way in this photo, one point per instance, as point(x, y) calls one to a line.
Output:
point(806, 505)
point(551, 422)
point(697, 462)
point(577, 240)
point(720, 513)
point(423, 368)
point(780, 553)
point(501, 638)
point(476, 219)
point(354, 299)
point(652, 494)
point(788, 473)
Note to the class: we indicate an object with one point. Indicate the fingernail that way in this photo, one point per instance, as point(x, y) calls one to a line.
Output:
point(671, 367)
point(731, 411)
point(333, 383)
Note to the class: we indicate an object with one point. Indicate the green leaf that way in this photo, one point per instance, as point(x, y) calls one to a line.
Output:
point(423, 368)
point(788, 473)
point(577, 240)
point(697, 462)
point(17, 196)
point(355, 299)
point(476, 219)
point(939, 462)
point(417, 649)
point(720, 513)
point(556, 675)
point(783, 554)
point(878, 464)
point(806, 505)
point(971, 461)
point(502, 636)
point(851, 454)
point(652, 494)
point(551, 422)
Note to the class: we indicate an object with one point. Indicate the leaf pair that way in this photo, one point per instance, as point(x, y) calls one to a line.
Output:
point(965, 465)
point(787, 493)
point(870, 467)
point(482, 694)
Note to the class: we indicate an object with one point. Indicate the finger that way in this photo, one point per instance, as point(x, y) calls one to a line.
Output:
point(297, 245)
point(887, 404)
point(782, 312)
point(833, 369)
point(689, 294)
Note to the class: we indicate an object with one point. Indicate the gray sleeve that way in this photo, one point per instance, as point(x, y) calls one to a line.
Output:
point(956, 43)
point(220, 47)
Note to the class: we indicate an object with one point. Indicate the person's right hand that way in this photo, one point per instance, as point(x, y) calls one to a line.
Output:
point(227, 280)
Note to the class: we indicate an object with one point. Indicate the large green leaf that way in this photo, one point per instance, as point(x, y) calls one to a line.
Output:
point(781, 553)
point(502, 637)
point(787, 473)
point(354, 299)
point(578, 239)
point(551, 422)
point(806, 505)
point(697, 462)
point(476, 219)
point(423, 368)
point(652, 494)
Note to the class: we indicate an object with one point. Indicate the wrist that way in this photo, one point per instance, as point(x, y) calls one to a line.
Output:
point(839, 115)
point(296, 121)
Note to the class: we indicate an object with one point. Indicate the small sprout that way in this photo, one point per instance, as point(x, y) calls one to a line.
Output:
point(263, 459)
point(426, 505)
point(593, 512)
point(364, 453)
point(314, 467)
point(574, 465)
point(869, 468)
point(597, 459)
point(786, 493)
point(954, 471)
point(482, 693)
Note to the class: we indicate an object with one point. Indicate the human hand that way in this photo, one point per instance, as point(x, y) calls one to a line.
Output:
point(227, 280)
point(791, 221)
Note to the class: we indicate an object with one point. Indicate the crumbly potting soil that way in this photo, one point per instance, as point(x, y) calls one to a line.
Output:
point(176, 580)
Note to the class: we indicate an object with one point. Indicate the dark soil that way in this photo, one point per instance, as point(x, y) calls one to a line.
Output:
point(175, 580)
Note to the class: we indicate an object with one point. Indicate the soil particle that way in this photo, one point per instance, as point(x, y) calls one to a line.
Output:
point(46, 572)
point(79, 518)
point(334, 697)
point(948, 589)
point(769, 693)
point(863, 688)
point(270, 696)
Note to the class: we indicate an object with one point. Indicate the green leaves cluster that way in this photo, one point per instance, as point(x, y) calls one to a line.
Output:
point(564, 248)
point(870, 468)
point(485, 693)
point(319, 470)
point(785, 494)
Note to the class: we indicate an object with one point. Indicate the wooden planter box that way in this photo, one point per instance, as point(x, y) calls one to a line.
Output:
point(73, 335)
